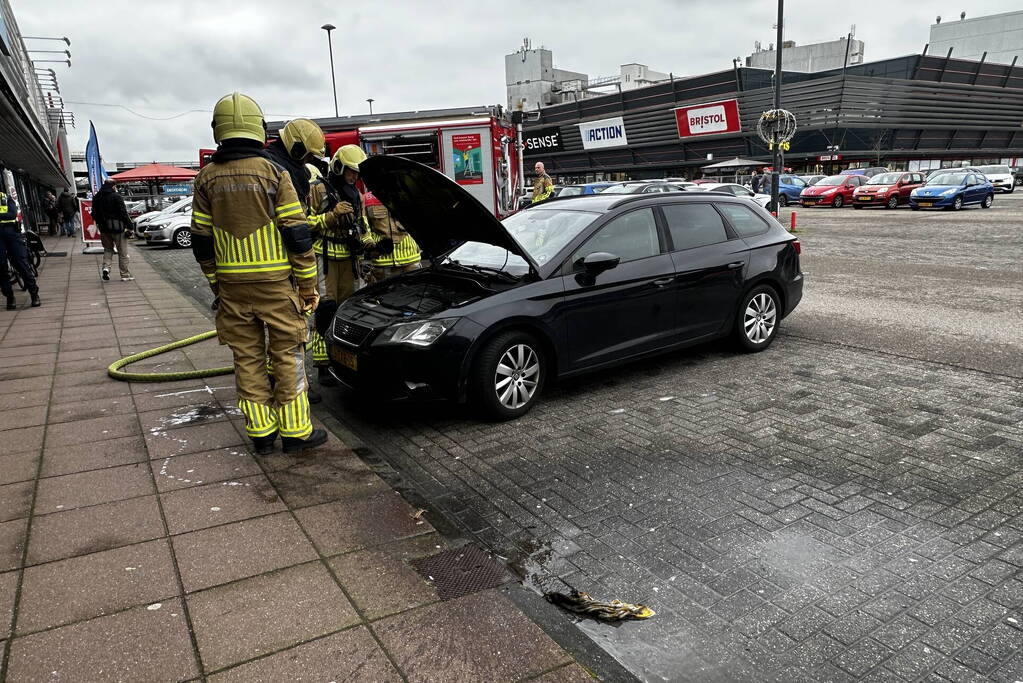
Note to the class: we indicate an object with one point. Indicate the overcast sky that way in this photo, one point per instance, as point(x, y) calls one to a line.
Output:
point(163, 59)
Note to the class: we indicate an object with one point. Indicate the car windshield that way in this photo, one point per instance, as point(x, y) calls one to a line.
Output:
point(1004, 170)
point(947, 179)
point(832, 180)
point(542, 233)
point(884, 179)
point(623, 189)
point(570, 191)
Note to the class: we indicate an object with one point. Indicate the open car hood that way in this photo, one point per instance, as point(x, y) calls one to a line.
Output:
point(433, 208)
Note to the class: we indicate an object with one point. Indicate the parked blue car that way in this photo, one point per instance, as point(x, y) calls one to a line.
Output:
point(953, 190)
point(584, 188)
point(789, 187)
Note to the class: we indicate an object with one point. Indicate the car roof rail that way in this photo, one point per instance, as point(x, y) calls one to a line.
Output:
point(629, 199)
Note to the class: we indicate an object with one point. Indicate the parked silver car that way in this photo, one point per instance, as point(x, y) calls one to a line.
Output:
point(178, 208)
point(176, 232)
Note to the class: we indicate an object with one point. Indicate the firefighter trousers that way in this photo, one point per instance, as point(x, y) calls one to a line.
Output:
point(338, 282)
point(249, 312)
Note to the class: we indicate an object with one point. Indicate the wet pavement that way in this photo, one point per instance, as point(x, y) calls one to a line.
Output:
point(140, 538)
point(844, 506)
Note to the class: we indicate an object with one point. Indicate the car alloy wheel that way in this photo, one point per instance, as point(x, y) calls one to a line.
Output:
point(515, 380)
point(508, 375)
point(988, 201)
point(837, 201)
point(183, 238)
point(893, 202)
point(758, 319)
point(957, 203)
point(783, 199)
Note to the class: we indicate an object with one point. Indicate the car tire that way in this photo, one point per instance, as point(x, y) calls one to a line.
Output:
point(1012, 188)
point(988, 201)
point(892, 203)
point(757, 319)
point(503, 373)
point(783, 200)
point(182, 239)
point(838, 201)
point(957, 203)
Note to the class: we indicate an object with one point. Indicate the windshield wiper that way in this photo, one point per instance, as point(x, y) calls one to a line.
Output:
point(484, 270)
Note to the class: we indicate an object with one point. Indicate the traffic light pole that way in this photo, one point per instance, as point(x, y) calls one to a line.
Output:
point(777, 158)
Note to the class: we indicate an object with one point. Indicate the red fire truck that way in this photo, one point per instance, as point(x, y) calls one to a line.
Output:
point(474, 146)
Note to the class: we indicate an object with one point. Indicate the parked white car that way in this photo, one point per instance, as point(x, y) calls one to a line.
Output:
point(736, 190)
point(176, 231)
point(999, 176)
point(178, 208)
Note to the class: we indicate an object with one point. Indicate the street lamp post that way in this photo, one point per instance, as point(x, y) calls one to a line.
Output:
point(370, 100)
point(330, 46)
point(777, 158)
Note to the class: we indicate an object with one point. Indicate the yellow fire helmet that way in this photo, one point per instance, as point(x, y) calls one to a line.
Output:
point(314, 173)
point(238, 116)
point(349, 156)
point(302, 137)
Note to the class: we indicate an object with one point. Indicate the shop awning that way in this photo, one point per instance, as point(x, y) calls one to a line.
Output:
point(157, 172)
point(737, 162)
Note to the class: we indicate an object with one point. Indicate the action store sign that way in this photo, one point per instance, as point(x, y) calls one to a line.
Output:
point(603, 133)
point(710, 118)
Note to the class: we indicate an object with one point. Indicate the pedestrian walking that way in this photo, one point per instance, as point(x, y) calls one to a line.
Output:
point(14, 249)
point(755, 182)
point(114, 223)
point(543, 186)
point(67, 204)
point(252, 241)
point(50, 209)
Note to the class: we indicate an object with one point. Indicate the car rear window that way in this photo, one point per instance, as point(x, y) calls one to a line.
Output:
point(744, 219)
point(693, 225)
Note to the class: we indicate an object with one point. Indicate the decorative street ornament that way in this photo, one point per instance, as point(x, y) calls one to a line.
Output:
point(777, 125)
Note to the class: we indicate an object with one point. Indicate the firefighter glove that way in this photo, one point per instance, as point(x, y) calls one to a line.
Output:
point(384, 246)
point(310, 299)
point(343, 208)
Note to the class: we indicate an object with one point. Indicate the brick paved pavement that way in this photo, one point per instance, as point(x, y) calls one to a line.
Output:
point(140, 539)
point(815, 512)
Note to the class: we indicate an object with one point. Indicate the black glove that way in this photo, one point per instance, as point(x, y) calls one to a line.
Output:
point(384, 246)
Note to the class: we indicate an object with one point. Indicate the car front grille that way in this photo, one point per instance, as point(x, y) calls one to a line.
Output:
point(350, 333)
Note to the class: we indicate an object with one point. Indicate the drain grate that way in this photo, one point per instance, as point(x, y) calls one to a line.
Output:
point(461, 571)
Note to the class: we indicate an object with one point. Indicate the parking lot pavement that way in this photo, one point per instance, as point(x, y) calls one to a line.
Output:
point(844, 506)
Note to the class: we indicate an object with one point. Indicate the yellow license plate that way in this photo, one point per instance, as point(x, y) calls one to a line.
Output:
point(925, 204)
point(864, 199)
point(345, 358)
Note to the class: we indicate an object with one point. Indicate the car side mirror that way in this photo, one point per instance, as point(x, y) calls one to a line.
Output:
point(593, 265)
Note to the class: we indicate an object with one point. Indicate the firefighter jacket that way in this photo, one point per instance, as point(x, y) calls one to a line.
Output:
point(331, 230)
point(8, 211)
point(543, 187)
point(383, 225)
point(248, 224)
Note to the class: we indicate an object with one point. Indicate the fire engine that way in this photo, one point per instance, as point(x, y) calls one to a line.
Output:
point(474, 146)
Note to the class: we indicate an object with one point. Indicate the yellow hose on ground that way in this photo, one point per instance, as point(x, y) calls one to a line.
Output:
point(115, 368)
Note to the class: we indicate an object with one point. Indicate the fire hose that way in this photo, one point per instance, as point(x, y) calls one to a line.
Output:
point(117, 373)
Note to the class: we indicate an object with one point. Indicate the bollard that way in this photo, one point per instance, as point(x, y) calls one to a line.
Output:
point(792, 222)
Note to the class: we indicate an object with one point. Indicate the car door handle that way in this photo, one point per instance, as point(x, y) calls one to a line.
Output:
point(736, 265)
point(664, 281)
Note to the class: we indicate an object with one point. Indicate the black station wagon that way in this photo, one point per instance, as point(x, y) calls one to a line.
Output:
point(558, 289)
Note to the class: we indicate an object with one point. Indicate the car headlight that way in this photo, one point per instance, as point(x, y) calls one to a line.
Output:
point(832, 190)
point(419, 333)
point(951, 190)
point(881, 189)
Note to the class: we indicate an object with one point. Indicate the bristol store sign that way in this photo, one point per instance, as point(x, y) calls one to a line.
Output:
point(710, 118)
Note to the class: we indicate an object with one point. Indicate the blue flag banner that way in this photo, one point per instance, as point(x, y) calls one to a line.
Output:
point(94, 162)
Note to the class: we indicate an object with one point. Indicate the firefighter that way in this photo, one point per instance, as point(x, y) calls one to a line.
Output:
point(342, 235)
point(251, 238)
point(543, 186)
point(394, 251)
point(13, 247)
point(301, 141)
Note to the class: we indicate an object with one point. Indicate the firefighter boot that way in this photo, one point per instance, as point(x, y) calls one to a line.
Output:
point(313, 395)
point(264, 445)
point(36, 302)
point(11, 303)
point(317, 437)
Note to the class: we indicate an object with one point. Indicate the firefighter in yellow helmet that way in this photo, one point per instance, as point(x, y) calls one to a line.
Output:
point(251, 239)
point(394, 251)
point(342, 235)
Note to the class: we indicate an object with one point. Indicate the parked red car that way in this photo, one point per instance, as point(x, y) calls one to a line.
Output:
point(835, 190)
point(887, 189)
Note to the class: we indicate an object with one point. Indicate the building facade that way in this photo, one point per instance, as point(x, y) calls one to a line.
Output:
point(994, 38)
point(917, 111)
point(809, 58)
point(33, 143)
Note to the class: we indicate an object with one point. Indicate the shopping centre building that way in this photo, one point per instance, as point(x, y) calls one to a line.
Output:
point(908, 113)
